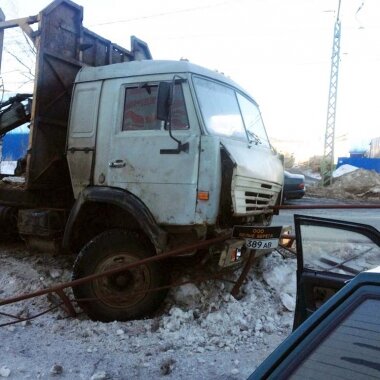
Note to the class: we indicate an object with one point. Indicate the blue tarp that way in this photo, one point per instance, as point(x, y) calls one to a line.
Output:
point(360, 162)
point(15, 146)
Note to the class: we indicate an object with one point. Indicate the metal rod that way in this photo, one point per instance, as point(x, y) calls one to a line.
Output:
point(243, 275)
point(59, 289)
point(30, 318)
point(333, 206)
point(68, 305)
point(80, 281)
point(17, 22)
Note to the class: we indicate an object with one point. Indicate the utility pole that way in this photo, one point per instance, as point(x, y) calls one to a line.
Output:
point(2, 18)
point(328, 154)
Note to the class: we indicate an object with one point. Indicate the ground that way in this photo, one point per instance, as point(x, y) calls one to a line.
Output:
point(201, 332)
point(349, 182)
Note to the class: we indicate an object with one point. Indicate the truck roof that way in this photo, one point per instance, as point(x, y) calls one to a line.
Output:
point(148, 67)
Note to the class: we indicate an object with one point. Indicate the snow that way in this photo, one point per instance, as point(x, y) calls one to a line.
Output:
point(8, 167)
point(5, 371)
point(358, 184)
point(344, 169)
point(311, 174)
point(201, 331)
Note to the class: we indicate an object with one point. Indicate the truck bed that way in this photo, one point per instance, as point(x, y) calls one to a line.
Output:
point(64, 46)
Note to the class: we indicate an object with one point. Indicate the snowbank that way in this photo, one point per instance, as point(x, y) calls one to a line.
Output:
point(202, 332)
point(8, 167)
point(356, 184)
point(344, 169)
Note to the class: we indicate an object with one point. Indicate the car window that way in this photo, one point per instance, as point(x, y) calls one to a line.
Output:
point(253, 121)
point(336, 250)
point(140, 109)
point(220, 109)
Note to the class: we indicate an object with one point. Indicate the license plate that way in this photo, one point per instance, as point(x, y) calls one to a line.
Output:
point(258, 237)
point(261, 244)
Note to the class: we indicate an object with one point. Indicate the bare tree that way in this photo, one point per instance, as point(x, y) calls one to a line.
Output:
point(19, 57)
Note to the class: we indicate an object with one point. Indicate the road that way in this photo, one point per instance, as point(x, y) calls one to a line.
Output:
point(366, 216)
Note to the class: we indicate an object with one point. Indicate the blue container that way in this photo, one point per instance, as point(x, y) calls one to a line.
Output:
point(15, 144)
point(360, 162)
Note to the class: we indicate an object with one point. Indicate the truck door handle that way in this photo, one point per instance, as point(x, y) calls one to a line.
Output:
point(117, 164)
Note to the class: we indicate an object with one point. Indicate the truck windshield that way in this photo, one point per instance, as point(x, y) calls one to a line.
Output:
point(227, 113)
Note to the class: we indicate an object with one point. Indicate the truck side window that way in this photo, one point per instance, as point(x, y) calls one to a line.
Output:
point(140, 109)
point(179, 114)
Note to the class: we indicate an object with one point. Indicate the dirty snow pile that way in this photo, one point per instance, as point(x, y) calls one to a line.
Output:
point(356, 184)
point(8, 167)
point(202, 332)
point(344, 169)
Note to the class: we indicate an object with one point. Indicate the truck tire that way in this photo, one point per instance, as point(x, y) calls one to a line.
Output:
point(123, 296)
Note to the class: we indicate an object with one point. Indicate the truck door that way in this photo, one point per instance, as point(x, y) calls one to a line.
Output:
point(329, 254)
point(143, 157)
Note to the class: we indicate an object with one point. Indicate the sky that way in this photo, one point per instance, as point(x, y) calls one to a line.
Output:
point(278, 50)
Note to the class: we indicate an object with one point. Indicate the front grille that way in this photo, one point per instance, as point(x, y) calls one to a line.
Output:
point(256, 201)
point(252, 197)
point(250, 194)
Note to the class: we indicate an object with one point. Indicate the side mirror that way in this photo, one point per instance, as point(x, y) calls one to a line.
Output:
point(164, 104)
point(164, 101)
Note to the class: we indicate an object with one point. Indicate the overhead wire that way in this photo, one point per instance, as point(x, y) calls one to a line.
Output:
point(2, 89)
point(162, 14)
point(356, 15)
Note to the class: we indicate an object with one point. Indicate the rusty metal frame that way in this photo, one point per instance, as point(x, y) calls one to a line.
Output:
point(59, 288)
point(327, 207)
point(64, 46)
point(66, 303)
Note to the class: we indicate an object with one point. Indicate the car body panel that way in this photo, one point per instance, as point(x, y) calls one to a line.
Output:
point(338, 306)
point(329, 344)
point(294, 186)
point(330, 253)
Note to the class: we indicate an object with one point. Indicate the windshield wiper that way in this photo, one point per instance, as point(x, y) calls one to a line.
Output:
point(254, 137)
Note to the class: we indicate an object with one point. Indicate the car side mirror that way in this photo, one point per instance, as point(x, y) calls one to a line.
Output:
point(164, 101)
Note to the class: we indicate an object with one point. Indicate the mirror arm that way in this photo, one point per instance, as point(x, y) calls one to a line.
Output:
point(181, 147)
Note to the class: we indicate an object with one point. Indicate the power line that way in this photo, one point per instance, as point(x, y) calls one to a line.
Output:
point(162, 14)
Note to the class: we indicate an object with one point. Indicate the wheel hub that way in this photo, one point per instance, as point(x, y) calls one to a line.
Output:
point(121, 281)
point(122, 289)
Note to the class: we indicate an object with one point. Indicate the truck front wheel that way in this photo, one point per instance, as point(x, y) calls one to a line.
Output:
point(125, 295)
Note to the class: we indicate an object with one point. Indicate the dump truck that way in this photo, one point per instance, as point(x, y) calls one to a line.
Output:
point(128, 158)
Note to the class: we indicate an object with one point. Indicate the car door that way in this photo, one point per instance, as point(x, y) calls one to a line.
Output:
point(329, 254)
point(143, 158)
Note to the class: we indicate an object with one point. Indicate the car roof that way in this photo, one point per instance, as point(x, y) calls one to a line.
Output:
point(293, 175)
point(149, 67)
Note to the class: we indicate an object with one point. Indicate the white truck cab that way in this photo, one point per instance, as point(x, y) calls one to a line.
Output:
point(227, 172)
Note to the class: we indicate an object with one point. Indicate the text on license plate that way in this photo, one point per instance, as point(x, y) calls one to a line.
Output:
point(261, 243)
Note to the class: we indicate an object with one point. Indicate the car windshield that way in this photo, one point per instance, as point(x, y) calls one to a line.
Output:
point(227, 113)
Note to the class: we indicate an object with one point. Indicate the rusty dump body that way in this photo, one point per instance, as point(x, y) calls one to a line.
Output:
point(63, 47)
